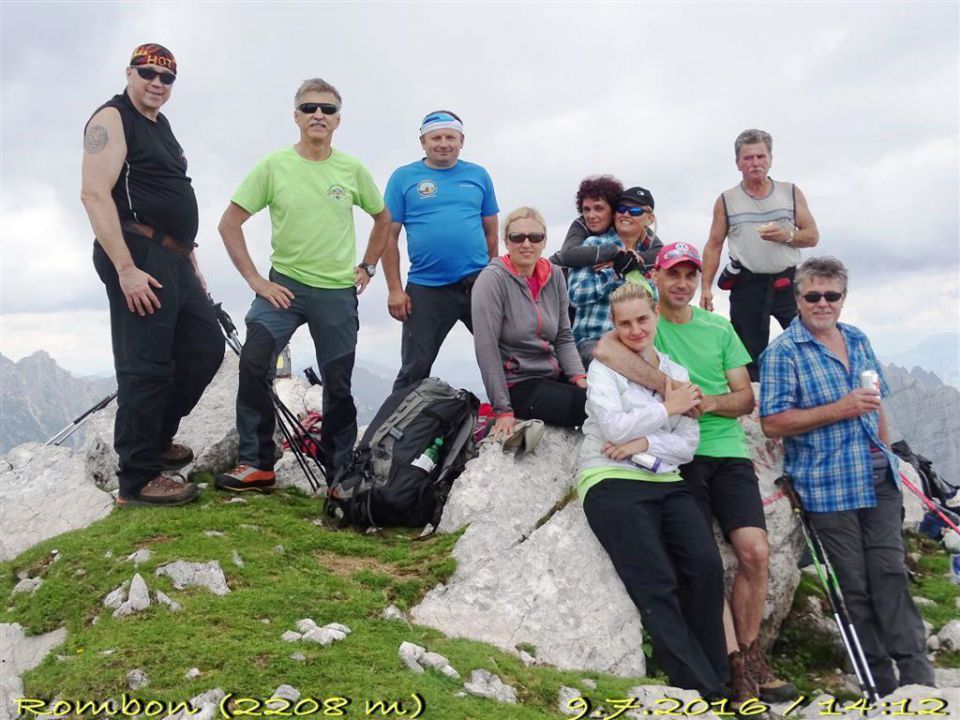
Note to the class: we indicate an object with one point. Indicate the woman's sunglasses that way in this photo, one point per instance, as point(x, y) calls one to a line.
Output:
point(631, 210)
point(518, 237)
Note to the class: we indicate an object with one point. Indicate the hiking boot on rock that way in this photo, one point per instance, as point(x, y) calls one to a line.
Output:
point(245, 477)
point(742, 685)
point(772, 689)
point(162, 490)
point(176, 456)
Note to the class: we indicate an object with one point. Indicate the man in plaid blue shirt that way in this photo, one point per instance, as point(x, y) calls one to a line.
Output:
point(836, 451)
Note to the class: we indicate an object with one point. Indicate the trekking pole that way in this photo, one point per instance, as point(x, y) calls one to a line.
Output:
point(79, 421)
point(828, 579)
point(283, 414)
point(929, 503)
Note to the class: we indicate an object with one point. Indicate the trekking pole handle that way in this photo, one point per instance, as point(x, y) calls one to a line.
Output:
point(783, 482)
point(224, 319)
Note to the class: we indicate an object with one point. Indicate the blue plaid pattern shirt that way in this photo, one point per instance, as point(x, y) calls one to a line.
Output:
point(590, 290)
point(830, 466)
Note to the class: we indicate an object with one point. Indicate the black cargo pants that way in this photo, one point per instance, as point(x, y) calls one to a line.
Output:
point(163, 361)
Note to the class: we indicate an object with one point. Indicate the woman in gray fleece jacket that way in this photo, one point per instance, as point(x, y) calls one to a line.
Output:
point(521, 333)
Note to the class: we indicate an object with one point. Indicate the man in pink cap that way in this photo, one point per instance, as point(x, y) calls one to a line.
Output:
point(721, 475)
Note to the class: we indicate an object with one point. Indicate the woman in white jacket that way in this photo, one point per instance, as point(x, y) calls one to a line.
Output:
point(641, 510)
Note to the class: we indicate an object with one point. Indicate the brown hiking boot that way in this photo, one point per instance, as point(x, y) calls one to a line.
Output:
point(742, 685)
point(772, 689)
point(162, 490)
point(176, 456)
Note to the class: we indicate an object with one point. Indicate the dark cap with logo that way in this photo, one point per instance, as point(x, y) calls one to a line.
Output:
point(637, 195)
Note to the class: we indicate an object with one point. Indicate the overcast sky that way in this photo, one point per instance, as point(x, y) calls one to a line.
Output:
point(862, 100)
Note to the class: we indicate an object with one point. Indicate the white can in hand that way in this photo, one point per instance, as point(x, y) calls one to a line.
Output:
point(870, 380)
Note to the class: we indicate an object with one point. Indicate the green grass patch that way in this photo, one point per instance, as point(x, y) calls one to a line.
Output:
point(292, 568)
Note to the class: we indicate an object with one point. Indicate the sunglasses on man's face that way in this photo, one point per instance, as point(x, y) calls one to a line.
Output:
point(631, 210)
point(149, 74)
point(311, 108)
point(814, 297)
point(518, 237)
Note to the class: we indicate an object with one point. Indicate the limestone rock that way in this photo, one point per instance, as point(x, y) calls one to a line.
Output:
point(137, 679)
point(950, 635)
point(140, 556)
point(210, 431)
point(648, 697)
point(305, 625)
point(439, 663)
point(323, 636)
point(298, 656)
point(947, 679)
point(411, 654)
point(165, 599)
point(192, 673)
point(237, 560)
point(283, 692)
point(392, 612)
point(115, 597)
point(185, 574)
point(290, 636)
point(27, 585)
point(483, 683)
point(530, 570)
point(565, 697)
point(30, 475)
point(138, 598)
point(20, 654)
point(339, 627)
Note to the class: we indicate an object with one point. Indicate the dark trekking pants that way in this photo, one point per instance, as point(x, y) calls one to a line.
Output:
point(163, 361)
point(331, 316)
point(658, 541)
point(556, 402)
point(435, 310)
point(753, 300)
point(865, 548)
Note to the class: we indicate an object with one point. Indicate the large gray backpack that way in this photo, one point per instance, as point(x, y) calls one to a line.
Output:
point(381, 486)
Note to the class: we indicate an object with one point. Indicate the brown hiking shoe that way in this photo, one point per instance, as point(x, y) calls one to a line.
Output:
point(772, 689)
point(742, 685)
point(162, 490)
point(176, 456)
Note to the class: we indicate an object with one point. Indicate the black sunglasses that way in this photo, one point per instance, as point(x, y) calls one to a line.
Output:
point(631, 210)
point(149, 74)
point(311, 108)
point(814, 297)
point(534, 237)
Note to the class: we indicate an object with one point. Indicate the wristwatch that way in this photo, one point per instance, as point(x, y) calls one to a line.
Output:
point(369, 269)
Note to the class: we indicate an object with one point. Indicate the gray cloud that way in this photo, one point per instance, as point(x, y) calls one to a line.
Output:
point(862, 100)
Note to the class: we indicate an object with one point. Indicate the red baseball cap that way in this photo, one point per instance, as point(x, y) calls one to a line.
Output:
point(677, 252)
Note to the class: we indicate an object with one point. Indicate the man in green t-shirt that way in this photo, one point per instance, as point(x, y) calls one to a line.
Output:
point(721, 475)
point(310, 189)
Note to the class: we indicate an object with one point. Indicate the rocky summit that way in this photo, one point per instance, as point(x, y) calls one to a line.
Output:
point(530, 577)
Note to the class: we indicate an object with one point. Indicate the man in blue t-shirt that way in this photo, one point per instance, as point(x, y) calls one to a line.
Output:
point(449, 210)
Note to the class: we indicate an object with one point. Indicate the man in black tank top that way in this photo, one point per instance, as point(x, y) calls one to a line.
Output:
point(167, 344)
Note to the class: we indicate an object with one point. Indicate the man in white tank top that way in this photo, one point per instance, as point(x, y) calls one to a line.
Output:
point(767, 222)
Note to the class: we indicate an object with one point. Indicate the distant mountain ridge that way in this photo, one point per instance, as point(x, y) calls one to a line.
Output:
point(38, 398)
point(939, 354)
point(926, 413)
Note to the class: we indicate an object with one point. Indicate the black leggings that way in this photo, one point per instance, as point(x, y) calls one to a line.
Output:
point(555, 402)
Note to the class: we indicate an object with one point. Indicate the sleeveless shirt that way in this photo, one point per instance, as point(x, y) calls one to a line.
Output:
point(745, 214)
point(153, 187)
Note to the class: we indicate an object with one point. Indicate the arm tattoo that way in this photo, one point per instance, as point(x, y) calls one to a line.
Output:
point(96, 139)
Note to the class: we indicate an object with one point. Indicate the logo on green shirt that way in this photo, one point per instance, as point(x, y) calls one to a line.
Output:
point(336, 193)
